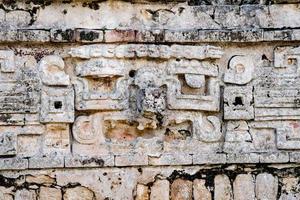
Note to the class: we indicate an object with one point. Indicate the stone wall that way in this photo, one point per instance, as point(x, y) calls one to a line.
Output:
point(181, 100)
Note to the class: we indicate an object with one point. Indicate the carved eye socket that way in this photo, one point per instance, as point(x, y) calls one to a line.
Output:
point(238, 101)
point(292, 61)
point(132, 73)
point(57, 104)
point(239, 68)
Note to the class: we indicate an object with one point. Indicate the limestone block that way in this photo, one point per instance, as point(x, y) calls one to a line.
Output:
point(9, 35)
point(149, 36)
point(223, 190)
point(131, 160)
point(142, 192)
point(17, 18)
point(7, 61)
point(241, 182)
point(52, 73)
point(264, 139)
point(266, 186)
point(212, 158)
point(25, 194)
point(40, 179)
point(119, 35)
point(57, 105)
point(33, 35)
point(160, 190)
point(88, 130)
point(8, 144)
point(203, 52)
point(13, 163)
point(87, 99)
point(210, 130)
point(242, 158)
point(89, 161)
point(57, 138)
point(29, 144)
point(287, 136)
point(200, 191)
point(182, 190)
point(50, 193)
point(277, 157)
point(51, 160)
point(62, 35)
point(276, 89)
point(287, 57)
point(78, 193)
point(6, 193)
point(171, 159)
point(240, 70)
point(238, 103)
point(88, 36)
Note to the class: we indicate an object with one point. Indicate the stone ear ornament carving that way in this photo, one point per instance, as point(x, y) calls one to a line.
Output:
point(52, 73)
point(240, 71)
point(57, 96)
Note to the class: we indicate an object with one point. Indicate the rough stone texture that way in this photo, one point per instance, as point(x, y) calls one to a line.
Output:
point(200, 191)
point(160, 190)
point(181, 190)
point(148, 99)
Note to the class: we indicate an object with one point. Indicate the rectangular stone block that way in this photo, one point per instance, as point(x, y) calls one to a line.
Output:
point(243, 158)
point(89, 35)
point(13, 163)
point(89, 161)
point(8, 144)
point(278, 157)
point(46, 161)
point(119, 36)
point(212, 158)
point(171, 159)
point(135, 159)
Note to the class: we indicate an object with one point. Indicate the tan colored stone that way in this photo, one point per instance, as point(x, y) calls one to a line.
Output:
point(223, 190)
point(266, 187)
point(40, 179)
point(78, 193)
point(181, 190)
point(160, 190)
point(25, 194)
point(243, 187)
point(142, 192)
point(47, 193)
point(6, 193)
point(200, 191)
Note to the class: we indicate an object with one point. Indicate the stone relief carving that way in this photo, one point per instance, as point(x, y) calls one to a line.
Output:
point(240, 70)
point(149, 99)
point(157, 99)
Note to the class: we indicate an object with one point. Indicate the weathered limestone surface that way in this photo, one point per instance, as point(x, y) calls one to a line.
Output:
point(149, 100)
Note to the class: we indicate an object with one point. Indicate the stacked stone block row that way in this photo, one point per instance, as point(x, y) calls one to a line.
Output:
point(147, 36)
point(227, 182)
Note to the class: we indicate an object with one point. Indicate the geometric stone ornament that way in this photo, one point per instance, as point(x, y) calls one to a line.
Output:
point(52, 73)
point(103, 83)
point(238, 103)
point(288, 137)
point(57, 105)
point(240, 70)
point(8, 144)
point(276, 89)
point(287, 57)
